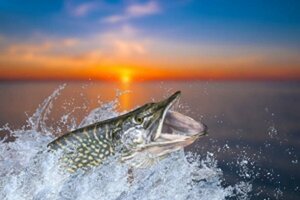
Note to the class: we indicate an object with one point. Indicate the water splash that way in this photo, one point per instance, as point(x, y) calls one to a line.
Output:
point(29, 171)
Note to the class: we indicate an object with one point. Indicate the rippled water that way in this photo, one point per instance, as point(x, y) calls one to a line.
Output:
point(228, 164)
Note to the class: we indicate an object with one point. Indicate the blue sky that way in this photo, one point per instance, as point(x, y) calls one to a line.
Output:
point(249, 20)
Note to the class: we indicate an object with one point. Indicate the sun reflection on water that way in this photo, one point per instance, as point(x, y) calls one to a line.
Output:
point(125, 86)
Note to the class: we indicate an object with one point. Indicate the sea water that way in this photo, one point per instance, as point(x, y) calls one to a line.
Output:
point(29, 171)
point(251, 151)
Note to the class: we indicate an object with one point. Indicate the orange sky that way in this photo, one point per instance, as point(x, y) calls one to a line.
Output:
point(124, 54)
point(29, 64)
point(128, 74)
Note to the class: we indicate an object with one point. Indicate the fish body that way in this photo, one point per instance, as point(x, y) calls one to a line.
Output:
point(136, 135)
point(88, 146)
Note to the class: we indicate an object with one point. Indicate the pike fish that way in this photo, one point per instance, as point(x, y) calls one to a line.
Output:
point(137, 135)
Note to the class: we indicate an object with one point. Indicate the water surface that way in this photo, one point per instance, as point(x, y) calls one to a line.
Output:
point(252, 148)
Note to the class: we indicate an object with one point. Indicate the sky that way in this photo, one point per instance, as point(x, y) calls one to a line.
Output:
point(149, 40)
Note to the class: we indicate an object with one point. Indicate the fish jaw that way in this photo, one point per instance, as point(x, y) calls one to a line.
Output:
point(150, 154)
point(166, 105)
point(168, 143)
point(185, 132)
point(184, 125)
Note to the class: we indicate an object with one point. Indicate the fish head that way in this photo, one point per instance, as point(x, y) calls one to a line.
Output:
point(144, 124)
point(154, 131)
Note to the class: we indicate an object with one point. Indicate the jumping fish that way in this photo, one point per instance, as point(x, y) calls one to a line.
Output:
point(137, 135)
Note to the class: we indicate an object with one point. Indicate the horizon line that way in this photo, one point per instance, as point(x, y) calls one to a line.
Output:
point(115, 80)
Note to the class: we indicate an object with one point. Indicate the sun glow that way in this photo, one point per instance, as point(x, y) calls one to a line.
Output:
point(125, 75)
point(125, 78)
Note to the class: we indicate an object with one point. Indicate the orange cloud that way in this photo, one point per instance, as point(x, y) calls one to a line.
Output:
point(124, 55)
point(134, 11)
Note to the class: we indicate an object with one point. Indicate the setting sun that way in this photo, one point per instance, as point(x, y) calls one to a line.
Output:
point(125, 75)
point(125, 78)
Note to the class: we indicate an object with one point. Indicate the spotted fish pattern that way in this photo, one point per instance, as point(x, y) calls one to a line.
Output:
point(88, 146)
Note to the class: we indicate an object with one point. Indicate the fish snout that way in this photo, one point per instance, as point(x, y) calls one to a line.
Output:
point(205, 130)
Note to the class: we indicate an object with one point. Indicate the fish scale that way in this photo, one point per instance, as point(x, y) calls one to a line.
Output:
point(84, 148)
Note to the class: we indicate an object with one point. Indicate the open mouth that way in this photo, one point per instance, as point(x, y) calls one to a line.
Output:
point(175, 123)
point(165, 105)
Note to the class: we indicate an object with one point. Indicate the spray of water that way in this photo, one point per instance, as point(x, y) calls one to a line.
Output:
point(29, 171)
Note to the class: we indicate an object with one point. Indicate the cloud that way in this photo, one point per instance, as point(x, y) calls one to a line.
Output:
point(70, 42)
point(134, 11)
point(142, 10)
point(114, 19)
point(125, 47)
point(43, 47)
point(83, 9)
point(124, 42)
point(121, 46)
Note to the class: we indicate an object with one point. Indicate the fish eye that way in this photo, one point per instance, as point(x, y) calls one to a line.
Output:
point(138, 120)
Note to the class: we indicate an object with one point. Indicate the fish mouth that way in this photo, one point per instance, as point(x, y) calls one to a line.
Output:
point(164, 106)
point(175, 123)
